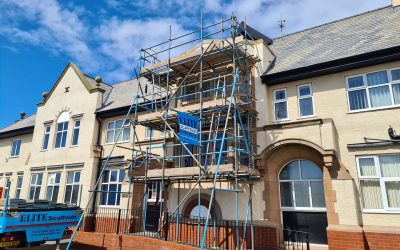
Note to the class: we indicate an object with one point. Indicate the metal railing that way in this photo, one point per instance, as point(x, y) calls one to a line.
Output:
point(222, 234)
point(296, 239)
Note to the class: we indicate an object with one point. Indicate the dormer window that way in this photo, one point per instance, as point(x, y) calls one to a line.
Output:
point(62, 130)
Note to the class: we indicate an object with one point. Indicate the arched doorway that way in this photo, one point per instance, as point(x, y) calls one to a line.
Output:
point(302, 199)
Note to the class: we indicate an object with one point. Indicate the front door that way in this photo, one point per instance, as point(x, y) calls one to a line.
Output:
point(303, 201)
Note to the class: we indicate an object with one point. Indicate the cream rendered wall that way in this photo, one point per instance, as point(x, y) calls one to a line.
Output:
point(224, 199)
point(78, 101)
point(157, 141)
point(330, 101)
point(14, 166)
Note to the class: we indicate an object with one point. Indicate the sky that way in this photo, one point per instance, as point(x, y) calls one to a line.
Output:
point(39, 37)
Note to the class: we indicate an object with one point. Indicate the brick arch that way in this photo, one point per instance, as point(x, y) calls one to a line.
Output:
point(276, 158)
point(204, 201)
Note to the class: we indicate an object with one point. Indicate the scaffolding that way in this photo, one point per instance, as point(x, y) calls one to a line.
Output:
point(213, 82)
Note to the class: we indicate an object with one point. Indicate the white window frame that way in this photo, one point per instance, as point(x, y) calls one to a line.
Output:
point(299, 97)
point(146, 133)
point(390, 84)
point(46, 133)
point(74, 130)
point(35, 185)
point(53, 185)
point(63, 132)
point(295, 207)
point(73, 185)
point(153, 188)
point(279, 101)
point(108, 183)
point(382, 180)
point(14, 152)
point(115, 131)
point(18, 189)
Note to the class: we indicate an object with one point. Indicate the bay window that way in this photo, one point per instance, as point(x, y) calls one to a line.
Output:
point(380, 182)
point(374, 90)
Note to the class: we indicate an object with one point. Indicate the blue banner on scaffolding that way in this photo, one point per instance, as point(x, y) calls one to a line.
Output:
point(188, 128)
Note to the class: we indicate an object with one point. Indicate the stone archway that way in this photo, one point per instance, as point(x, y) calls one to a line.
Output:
point(193, 203)
point(278, 155)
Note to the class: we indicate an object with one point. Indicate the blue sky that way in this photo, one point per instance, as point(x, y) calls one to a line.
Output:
point(39, 37)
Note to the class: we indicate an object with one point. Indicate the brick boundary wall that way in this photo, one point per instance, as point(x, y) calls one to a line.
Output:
point(363, 239)
point(104, 241)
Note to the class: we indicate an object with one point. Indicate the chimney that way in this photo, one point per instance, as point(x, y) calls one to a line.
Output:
point(395, 3)
point(22, 115)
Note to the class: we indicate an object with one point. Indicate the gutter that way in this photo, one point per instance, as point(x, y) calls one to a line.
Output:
point(353, 62)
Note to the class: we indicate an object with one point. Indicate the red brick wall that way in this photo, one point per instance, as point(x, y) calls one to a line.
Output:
point(382, 241)
point(264, 237)
point(102, 241)
point(346, 240)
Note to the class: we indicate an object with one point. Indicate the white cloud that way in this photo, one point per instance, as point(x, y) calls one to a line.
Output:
point(109, 45)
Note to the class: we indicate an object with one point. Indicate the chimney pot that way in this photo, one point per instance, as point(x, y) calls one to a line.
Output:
point(45, 95)
point(98, 79)
point(22, 115)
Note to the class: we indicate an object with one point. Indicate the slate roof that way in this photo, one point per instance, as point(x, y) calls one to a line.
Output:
point(367, 32)
point(123, 94)
point(20, 124)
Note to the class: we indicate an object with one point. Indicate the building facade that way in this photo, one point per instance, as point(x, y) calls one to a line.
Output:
point(325, 161)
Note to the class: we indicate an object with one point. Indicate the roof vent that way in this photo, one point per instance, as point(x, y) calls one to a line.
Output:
point(22, 115)
point(45, 95)
point(395, 3)
point(98, 80)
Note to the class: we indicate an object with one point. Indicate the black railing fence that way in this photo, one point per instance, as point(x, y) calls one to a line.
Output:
point(221, 234)
point(296, 239)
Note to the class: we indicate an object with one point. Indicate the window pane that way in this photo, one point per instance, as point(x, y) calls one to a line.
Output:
point(367, 166)
point(49, 192)
point(371, 194)
point(396, 74)
point(317, 194)
point(39, 179)
point(75, 193)
point(76, 136)
point(77, 123)
point(63, 139)
point(304, 90)
point(302, 194)
point(380, 96)
point(55, 194)
point(286, 194)
point(70, 177)
point(290, 172)
point(118, 124)
point(280, 95)
point(309, 170)
point(111, 125)
point(355, 82)
point(58, 140)
point(46, 141)
point(114, 175)
point(112, 196)
point(358, 99)
point(33, 179)
point(58, 176)
point(103, 196)
point(68, 190)
point(396, 93)
point(306, 106)
point(377, 78)
point(110, 136)
point(126, 134)
point(37, 193)
point(280, 111)
point(31, 192)
point(390, 165)
point(393, 193)
point(77, 177)
point(121, 175)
